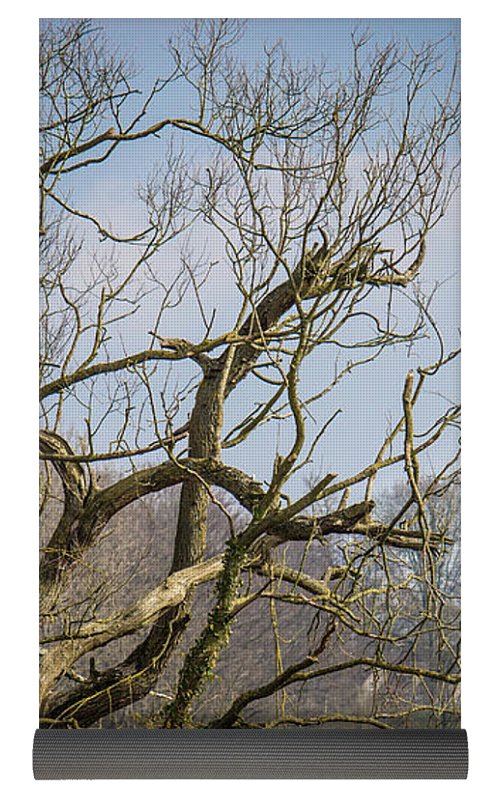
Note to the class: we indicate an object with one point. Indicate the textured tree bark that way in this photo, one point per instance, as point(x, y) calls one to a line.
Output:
point(132, 680)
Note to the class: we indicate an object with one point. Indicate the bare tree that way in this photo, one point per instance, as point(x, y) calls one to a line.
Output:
point(313, 198)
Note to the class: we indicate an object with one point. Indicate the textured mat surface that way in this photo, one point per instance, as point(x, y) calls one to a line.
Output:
point(312, 753)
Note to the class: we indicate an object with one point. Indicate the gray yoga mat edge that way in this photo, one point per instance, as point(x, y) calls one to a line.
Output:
point(265, 754)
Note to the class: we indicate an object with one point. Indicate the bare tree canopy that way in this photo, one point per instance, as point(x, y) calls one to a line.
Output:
point(215, 549)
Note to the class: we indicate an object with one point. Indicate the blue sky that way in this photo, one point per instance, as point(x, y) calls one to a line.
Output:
point(371, 397)
point(307, 39)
